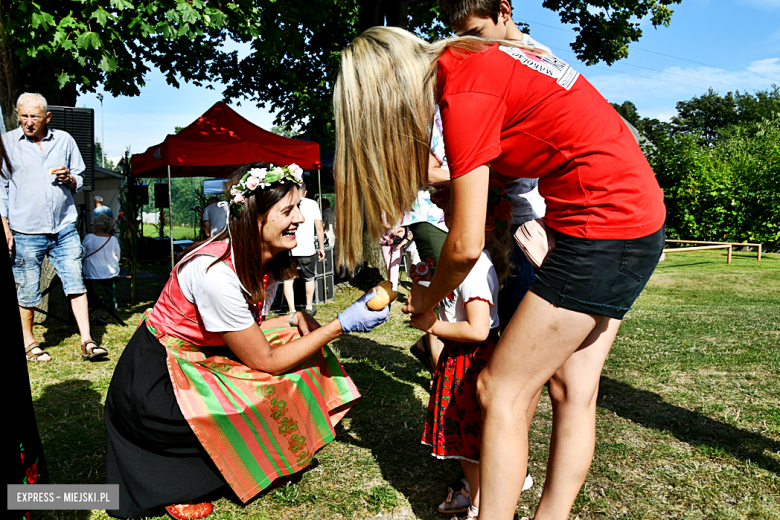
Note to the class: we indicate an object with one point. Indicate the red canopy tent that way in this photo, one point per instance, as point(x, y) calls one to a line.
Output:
point(215, 144)
point(218, 142)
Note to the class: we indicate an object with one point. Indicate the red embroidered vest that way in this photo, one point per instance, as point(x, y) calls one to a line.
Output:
point(174, 315)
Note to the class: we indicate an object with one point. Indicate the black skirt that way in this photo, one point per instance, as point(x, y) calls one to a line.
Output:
point(24, 441)
point(151, 451)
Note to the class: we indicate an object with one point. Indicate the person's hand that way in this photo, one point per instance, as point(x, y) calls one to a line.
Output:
point(305, 323)
point(359, 318)
point(321, 254)
point(424, 321)
point(63, 175)
point(416, 275)
point(9, 238)
point(414, 302)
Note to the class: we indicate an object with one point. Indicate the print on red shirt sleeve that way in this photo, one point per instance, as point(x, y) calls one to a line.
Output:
point(547, 64)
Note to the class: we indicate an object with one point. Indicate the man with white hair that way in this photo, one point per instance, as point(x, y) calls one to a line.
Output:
point(39, 217)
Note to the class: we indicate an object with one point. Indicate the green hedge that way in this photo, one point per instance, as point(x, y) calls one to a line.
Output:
point(729, 191)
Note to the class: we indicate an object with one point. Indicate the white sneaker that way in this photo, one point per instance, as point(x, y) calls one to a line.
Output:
point(529, 482)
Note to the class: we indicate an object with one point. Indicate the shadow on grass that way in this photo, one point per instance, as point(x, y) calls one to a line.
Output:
point(70, 420)
point(388, 420)
point(698, 430)
point(149, 286)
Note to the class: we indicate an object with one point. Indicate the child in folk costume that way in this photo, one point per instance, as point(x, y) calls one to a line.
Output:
point(468, 324)
point(209, 397)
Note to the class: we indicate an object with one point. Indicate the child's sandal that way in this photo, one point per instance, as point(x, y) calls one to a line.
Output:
point(472, 514)
point(456, 502)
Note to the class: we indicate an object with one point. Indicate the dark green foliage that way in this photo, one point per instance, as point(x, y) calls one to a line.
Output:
point(187, 193)
point(718, 163)
point(651, 129)
point(63, 47)
point(727, 191)
point(606, 28)
point(711, 117)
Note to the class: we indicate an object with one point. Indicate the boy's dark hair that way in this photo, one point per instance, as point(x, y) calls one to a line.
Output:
point(453, 12)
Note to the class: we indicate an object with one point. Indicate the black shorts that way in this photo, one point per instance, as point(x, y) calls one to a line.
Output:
point(601, 277)
point(307, 265)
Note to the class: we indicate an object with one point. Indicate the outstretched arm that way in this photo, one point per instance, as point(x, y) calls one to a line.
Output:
point(253, 349)
point(476, 328)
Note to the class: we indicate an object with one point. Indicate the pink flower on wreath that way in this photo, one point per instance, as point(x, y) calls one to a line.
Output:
point(296, 171)
point(239, 199)
point(252, 182)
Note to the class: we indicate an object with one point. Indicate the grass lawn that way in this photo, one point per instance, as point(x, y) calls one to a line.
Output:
point(688, 411)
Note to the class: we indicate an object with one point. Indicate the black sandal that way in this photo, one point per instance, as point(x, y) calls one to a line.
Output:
point(92, 353)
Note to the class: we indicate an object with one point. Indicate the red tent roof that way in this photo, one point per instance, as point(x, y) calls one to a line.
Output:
point(218, 142)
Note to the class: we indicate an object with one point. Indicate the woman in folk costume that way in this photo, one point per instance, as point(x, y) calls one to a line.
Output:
point(207, 393)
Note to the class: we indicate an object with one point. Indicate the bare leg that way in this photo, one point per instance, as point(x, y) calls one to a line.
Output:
point(436, 347)
point(289, 295)
point(309, 294)
point(573, 391)
point(80, 306)
point(471, 471)
point(532, 408)
point(27, 314)
point(536, 343)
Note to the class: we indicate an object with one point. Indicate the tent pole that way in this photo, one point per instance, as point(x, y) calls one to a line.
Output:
point(170, 210)
point(324, 276)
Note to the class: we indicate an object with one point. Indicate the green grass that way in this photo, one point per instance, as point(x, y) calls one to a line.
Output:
point(688, 411)
point(179, 232)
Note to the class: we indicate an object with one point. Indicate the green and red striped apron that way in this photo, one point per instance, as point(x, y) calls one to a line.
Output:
point(256, 427)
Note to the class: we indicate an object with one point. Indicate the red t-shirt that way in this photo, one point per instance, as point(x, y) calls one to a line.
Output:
point(531, 115)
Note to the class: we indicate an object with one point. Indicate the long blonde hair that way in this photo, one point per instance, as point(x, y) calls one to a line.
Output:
point(383, 103)
point(499, 245)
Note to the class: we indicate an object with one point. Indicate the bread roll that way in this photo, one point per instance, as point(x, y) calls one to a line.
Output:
point(385, 295)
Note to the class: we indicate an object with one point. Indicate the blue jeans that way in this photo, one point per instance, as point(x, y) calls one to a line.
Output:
point(64, 252)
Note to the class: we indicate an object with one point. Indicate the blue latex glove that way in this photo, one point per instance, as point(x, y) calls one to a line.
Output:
point(359, 318)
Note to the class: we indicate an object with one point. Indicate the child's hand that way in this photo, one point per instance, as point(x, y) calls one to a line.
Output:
point(424, 321)
point(421, 272)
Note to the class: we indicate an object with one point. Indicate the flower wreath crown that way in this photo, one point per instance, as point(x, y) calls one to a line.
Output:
point(497, 199)
point(261, 178)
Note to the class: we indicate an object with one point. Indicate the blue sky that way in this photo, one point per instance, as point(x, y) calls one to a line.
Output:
point(726, 45)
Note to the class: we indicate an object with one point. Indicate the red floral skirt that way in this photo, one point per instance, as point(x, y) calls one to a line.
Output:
point(453, 427)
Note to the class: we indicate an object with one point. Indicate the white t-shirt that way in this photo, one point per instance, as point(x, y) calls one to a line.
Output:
point(305, 233)
point(218, 295)
point(103, 264)
point(217, 216)
point(481, 283)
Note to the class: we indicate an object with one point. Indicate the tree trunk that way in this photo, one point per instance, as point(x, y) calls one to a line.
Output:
point(396, 12)
point(39, 77)
point(393, 13)
point(7, 74)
